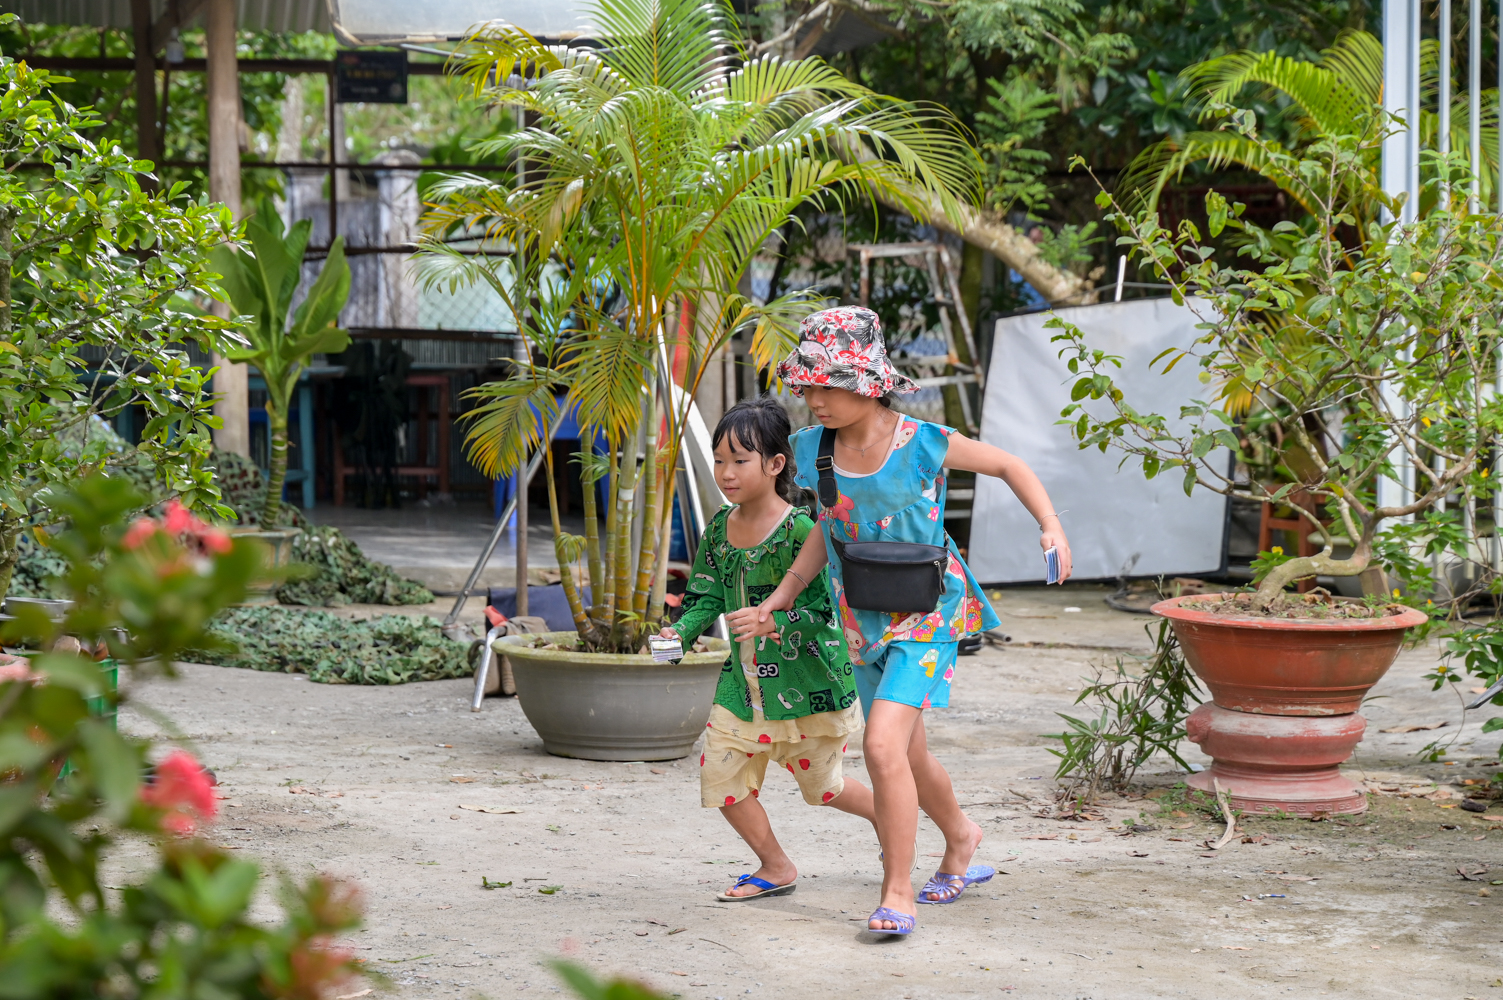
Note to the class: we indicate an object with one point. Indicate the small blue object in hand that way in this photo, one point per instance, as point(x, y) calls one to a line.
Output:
point(1051, 566)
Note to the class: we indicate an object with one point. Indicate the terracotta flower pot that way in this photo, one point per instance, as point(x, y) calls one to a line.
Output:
point(1266, 674)
point(610, 706)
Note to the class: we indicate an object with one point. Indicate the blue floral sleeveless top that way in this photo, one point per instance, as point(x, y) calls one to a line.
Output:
point(904, 501)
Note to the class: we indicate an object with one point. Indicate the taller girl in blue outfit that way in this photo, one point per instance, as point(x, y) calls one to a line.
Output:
point(890, 472)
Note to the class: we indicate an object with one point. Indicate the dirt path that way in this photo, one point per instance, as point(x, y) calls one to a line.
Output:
point(382, 783)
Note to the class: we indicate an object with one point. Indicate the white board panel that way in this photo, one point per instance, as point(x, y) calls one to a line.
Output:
point(1113, 516)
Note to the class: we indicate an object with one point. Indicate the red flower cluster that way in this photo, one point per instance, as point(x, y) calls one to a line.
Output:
point(182, 790)
point(180, 524)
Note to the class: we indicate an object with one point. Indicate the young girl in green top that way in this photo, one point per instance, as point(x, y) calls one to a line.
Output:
point(788, 698)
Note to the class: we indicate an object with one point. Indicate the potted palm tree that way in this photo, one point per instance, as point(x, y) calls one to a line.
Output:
point(1375, 354)
point(659, 157)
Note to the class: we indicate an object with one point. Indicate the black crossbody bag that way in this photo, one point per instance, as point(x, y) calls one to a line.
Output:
point(895, 577)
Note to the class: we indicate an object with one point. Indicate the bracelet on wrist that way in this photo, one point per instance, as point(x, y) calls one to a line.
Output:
point(799, 577)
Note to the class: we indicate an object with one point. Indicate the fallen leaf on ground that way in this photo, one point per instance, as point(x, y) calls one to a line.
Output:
point(678, 930)
point(447, 906)
point(1137, 854)
point(675, 972)
point(935, 854)
point(1298, 878)
point(1235, 947)
point(900, 975)
point(1043, 836)
point(1413, 729)
point(637, 933)
point(1182, 826)
point(352, 996)
point(490, 809)
point(461, 780)
point(656, 770)
point(300, 790)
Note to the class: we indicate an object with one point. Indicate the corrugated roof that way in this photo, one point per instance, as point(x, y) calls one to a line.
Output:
point(376, 22)
point(255, 15)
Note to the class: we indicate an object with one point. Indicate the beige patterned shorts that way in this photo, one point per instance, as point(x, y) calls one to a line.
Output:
point(730, 768)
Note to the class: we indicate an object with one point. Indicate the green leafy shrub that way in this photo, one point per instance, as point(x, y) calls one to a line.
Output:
point(93, 317)
point(142, 595)
point(388, 649)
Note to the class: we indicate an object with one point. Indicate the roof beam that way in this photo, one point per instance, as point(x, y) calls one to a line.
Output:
point(94, 64)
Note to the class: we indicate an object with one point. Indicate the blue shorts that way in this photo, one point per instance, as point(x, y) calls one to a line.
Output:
point(909, 673)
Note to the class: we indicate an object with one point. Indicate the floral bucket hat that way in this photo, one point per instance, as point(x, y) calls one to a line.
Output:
point(842, 348)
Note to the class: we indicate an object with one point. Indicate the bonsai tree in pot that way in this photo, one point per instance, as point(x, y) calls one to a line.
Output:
point(657, 161)
point(261, 279)
point(1374, 353)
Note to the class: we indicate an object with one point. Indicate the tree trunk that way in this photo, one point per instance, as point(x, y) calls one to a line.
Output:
point(592, 524)
point(987, 230)
point(565, 571)
point(10, 540)
point(648, 548)
point(605, 589)
point(277, 423)
point(625, 502)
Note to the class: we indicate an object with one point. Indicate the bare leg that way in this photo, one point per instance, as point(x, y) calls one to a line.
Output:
point(937, 798)
point(749, 819)
point(889, 731)
point(855, 799)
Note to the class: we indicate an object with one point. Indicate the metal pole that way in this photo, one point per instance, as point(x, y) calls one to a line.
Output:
point(524, 353)
point(1474, 103)
point(1412, 116)
point(1497, 373)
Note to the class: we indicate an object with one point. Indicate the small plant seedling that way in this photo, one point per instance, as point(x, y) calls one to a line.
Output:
point(486, 883)
point(552, 828)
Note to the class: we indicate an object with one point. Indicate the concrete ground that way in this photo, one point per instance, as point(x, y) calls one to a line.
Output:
point(438, 544)
point(616, 866)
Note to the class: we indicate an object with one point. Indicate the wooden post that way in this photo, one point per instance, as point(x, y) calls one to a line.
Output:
point(231, 382)
point(146, 81)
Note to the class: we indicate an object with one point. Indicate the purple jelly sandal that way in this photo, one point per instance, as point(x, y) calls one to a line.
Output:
point(904, 921)
point(950, 887)
point(767, 889)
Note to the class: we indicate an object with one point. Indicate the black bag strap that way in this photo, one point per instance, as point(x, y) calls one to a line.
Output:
point(829, 493)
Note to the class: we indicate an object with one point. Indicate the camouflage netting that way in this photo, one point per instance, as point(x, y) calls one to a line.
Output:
point(389, 649)
point(344, 575)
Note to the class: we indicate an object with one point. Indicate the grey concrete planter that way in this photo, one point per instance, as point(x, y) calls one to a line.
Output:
point(608, 706)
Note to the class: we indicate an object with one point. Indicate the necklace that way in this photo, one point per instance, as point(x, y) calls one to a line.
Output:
point(884, 434)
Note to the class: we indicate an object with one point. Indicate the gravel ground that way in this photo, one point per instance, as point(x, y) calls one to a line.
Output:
point(616, 866)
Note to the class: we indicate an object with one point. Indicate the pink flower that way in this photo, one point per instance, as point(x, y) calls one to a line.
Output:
point(139, 532)
point(182, 789)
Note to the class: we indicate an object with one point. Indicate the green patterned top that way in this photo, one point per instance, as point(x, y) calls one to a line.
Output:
point(809, 672)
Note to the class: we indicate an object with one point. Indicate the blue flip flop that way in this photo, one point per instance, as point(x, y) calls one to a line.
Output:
point(951, 887)
point(904, 921)
point(767, 889)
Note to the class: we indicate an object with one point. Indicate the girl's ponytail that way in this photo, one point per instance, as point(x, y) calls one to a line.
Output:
point(761, 425)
